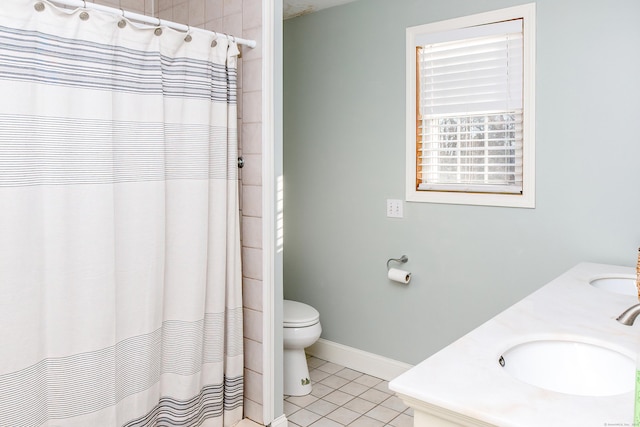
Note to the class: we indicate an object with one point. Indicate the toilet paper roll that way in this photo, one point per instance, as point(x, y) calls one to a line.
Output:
point(399, 276)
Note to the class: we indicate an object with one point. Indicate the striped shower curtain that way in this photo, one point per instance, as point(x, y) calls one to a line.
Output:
point(120, 279)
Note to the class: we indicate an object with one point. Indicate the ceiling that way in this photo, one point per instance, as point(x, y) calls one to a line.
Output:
point(293, 8)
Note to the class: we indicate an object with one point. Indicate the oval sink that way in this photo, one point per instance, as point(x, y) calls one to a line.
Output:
point(571, 367)
point(625, 285)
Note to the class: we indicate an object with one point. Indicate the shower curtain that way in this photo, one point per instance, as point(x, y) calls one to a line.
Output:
point(120, 278)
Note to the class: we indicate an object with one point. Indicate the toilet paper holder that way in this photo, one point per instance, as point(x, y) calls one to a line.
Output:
point(402, 259)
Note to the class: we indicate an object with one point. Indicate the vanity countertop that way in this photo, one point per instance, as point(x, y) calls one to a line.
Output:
point(466, 380)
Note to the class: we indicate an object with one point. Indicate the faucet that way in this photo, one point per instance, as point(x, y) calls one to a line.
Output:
point(629, 315)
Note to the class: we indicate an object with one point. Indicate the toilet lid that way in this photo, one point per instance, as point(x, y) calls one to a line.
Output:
point(299, 315)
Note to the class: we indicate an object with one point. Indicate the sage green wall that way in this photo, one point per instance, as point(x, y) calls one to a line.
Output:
point(344, 150)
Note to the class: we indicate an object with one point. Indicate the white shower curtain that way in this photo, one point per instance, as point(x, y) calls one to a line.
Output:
point(120, 278)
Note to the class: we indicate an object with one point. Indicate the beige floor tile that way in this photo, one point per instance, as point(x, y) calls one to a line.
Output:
point(304, 417)
point(368, 380)
point(302, 401)
point(322, 407)
point(320, 390)
point(383, 386)
point(326, 422)
point(354, 388)
point(318, 375)
point(343, 416)
point(402, 420)
point(366, 422)
point(338, 397)
point(334, 382)
point(394, 402)
point(375, 396)
point(383, 414)
point(349, 374)
point(314, 362)
point(359, 405)
point(330, 368)
point(290, 408)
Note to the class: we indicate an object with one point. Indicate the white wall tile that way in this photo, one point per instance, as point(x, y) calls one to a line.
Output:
point(252, 170)
point(231, 7)
point(132, 5)
point(164, 4)
point(150, 8)
point(252, 138)
point(232, 24)
point(251, 14)
point(253, 411)
point(253, 355)
point(213, 10)
point(252, 263)
point(196, 13)
point(252, 232)
point(215, 25)
point(252, 107)
point(253, 324)
point(252, 75)
point(253, 385)
point(252, 34)
point(166, 14)
point(251, 200)
point(110, 3)
point(181, 13)
point(252, 293)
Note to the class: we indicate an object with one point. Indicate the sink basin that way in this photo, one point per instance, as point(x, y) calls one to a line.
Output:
point(571, 367)
point(625, 285)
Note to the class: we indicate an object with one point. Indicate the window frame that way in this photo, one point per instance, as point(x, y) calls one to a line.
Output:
point(526, 199)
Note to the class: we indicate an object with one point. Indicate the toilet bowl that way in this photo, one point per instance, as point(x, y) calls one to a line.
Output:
point(301, 329)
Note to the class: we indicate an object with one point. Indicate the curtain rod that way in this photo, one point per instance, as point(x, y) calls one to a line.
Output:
point(149, 20)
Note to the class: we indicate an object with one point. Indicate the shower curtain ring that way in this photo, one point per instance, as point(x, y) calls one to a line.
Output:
point(123, 22)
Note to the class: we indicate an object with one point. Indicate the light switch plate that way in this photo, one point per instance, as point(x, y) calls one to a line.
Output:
point(394, 208)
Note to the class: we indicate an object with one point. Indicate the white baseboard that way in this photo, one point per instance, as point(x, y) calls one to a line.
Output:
point(362, 361)
point(281, 421)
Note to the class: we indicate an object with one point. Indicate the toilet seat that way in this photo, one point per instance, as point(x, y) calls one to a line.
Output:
point(299, 315)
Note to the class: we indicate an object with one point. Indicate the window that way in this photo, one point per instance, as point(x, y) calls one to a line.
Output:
point(470, 104)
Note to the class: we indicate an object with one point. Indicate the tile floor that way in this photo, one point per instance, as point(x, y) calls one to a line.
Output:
point(344, 397)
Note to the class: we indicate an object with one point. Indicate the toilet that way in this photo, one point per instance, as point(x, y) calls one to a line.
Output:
point(301, 329)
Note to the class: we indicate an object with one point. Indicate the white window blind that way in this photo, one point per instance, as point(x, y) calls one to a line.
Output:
point(470, 109)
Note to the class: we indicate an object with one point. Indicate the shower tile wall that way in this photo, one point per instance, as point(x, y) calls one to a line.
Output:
point(242, 18)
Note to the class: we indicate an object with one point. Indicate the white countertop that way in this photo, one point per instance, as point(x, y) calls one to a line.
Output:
point(466, 378)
